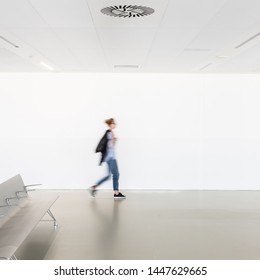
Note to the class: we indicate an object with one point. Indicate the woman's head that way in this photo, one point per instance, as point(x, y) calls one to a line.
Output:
point(111, 123)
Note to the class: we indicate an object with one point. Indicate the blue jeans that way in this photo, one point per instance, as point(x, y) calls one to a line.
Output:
point(112, 169)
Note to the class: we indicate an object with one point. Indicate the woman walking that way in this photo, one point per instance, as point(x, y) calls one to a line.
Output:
point(107, 148)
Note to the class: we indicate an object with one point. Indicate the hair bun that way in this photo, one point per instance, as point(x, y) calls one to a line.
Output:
point(110, 121)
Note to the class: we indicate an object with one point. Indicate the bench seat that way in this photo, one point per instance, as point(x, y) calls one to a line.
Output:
point(20, 219)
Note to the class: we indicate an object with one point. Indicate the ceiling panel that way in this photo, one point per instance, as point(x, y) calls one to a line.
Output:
point(8, 59)
point(84, 38)
point(168, 44)
point(125, 57)
point(173, 39)
point(215, 38)
point(237, 14)
point(191, 13)
point(92, 59)
point(14, 13)
point(247, 61)
point(186, 60)
point(46, 43)
point(23, 51)
point(128, 37)
point(158, 60)
point(180, 36)
point(63, 13)
point(38, 38)
point(191, 59)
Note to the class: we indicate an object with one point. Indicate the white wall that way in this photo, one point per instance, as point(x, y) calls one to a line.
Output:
point(175, 131)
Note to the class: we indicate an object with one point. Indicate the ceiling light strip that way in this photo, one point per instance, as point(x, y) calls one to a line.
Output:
point(47, 66)
point(248, 40)
point(9, 42)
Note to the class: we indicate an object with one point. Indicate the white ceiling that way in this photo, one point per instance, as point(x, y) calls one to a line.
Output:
point(184, 36)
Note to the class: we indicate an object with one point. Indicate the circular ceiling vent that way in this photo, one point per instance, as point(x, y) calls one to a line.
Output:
point(127, 11)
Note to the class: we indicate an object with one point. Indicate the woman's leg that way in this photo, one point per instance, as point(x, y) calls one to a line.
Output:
point(104, 179)
point(113, 168)
point(115, 173)
point(93, 189)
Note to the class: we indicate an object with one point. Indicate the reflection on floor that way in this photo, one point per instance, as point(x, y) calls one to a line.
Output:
point(149, 225)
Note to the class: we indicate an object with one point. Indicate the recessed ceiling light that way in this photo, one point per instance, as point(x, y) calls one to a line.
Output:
point(47, 66)
point(127, 11)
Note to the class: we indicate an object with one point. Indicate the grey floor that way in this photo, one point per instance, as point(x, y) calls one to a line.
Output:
point(149, 225)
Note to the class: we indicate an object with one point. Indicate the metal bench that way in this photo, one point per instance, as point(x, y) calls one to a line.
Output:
point(19, 214)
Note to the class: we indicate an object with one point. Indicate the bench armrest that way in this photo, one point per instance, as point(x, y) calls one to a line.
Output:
point(18, 194)
point(10, 198)
point(33, 185)
point(26, 186)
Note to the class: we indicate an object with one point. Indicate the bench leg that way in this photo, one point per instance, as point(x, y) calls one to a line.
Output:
point(52, 216)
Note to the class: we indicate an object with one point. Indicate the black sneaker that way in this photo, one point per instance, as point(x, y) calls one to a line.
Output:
point(119, 196)
point(93, 191)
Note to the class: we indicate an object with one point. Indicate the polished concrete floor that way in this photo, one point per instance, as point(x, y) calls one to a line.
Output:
point(149, 225)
